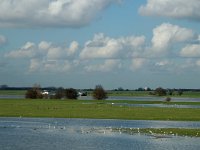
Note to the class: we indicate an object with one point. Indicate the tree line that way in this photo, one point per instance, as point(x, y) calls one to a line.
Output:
point(60, 93)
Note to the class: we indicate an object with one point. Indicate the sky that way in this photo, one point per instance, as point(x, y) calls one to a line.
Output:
point(115, 43)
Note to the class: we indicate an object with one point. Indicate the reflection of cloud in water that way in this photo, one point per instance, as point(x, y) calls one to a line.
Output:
point(84, 134)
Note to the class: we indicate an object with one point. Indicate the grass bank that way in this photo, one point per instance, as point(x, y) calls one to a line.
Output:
point(12, 92)
point(92, 109)
point(161, 132)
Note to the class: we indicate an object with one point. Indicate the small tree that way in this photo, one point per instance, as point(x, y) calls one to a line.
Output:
point(168, 99)
point(34, 93)
point(71, 93)
point(99, 93)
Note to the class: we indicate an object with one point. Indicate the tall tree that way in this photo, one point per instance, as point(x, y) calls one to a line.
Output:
point(99, 93)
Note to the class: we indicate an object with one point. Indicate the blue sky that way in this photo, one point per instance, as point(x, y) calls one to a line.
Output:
point(115, 43)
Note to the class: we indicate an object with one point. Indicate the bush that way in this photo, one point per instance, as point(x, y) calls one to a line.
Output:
point(167, 99)
point(34, 93)
point(71, 93)
point(99, 93)
point(160, 91)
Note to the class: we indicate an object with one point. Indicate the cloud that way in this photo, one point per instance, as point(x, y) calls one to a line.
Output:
point(162, 63)
point(46, 56)
point(192, 50)
point(112, 48)
point(166, 35)
point(26, 51)
point(103, 53)
point(44, 49)
point(2, 40)
point(37, 65)
point(137, 63)
point(181, 9)
point(50, 13)
point(198, 63)
point(107, 66)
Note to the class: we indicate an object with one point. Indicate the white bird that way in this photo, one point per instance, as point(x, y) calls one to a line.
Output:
point(138, 130)
point(150, 131)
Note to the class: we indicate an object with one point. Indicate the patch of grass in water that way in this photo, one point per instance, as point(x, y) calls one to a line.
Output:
point(160, 132)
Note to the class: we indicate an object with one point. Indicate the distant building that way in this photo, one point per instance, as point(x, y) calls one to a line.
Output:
point(45, 92)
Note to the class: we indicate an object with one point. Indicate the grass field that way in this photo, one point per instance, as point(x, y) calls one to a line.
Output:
point(92, 109)
point(12, 92)
point(161, 132)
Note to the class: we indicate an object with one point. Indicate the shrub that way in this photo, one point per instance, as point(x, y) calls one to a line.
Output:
point(34, 93)
point(99, 93)
point(167, 99)
point(160, 91)
point(71, 93)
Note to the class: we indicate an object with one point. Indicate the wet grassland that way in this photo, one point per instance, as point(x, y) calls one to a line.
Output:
point(93, 109)
point(97, 109)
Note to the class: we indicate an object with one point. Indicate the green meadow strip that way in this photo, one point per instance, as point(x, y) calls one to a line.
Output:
point(92, 109)
point(160, 132)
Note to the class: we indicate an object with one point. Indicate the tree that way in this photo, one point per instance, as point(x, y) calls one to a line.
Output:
point(34, 93)
point(60, 93)
point(71, 93)
point(160, 91)
point(99, 93)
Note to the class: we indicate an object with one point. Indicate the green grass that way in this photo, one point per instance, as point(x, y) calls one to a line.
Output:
point(161, 132)
point(191, 94)
point(12, 92)
point(91, 109)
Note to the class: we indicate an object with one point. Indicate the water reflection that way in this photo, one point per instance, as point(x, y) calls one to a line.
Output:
point(157, 105)
point(140, 98)
point(84, 134)
point(148, 98)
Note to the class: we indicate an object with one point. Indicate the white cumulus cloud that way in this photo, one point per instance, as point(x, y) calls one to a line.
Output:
point(26, 51)
point(192, 50)
point(45, 50)
point(107, 66)
point(50, 13)
point(46, 56)
point(166, 34)
point(183, 9)
point(106, 47)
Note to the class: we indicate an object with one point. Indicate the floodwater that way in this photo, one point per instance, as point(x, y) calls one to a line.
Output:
point(139, 98)
point(157, 105)
point(148, 98)
point(89, 134)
